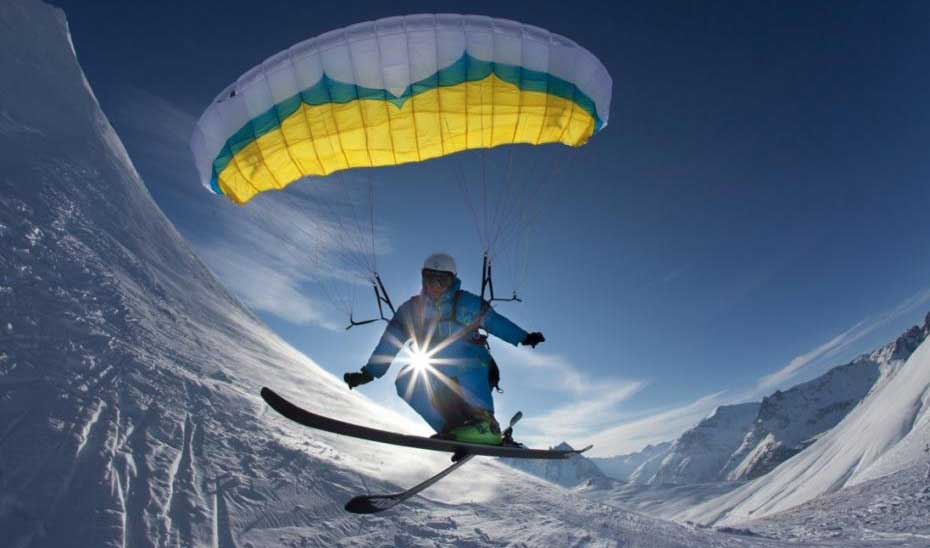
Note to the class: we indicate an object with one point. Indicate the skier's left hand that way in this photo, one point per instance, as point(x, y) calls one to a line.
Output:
point(354, 379)
point(533, 339)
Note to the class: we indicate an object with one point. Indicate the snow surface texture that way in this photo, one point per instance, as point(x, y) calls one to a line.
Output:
point(893, 507)
point(887, 432)
point(663, 500)
point(129, 378)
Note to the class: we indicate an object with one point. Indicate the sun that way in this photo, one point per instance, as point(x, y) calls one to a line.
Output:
point(420, 361)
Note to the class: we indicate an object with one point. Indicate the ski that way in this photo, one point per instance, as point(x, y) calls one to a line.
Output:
point(312, 420)
point(371, 504)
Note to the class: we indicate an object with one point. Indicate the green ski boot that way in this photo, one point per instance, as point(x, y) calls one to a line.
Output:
point(482, 431)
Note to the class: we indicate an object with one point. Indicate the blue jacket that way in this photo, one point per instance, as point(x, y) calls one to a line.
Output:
point(462, 356)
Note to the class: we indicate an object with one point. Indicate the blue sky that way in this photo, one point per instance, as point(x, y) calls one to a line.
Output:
point(755, 212)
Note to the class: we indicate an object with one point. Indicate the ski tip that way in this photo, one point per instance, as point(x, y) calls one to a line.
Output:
point(272, 398)
point(362, 505)
point(580, 451)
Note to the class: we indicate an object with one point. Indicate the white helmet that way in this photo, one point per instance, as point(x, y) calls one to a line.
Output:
point(440, 261)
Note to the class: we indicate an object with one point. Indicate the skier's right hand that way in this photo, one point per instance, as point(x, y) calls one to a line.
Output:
point(532, 339)
point(354, 379)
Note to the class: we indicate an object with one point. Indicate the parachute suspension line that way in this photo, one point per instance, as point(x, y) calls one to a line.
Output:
point(348, 256)
point(522, 215)
point(362, 253)
point(484, 193)
point(358, 253)
point(505, 204)
point(462, 182)
point(502, 204)
point(346, 303)
point(371, 222)
point(356, 231)
point(507, 208)
point(483, 155)
point(487, 284)
point(516, 206)
point(367, 261)
point(369, 256)
point(382, 298)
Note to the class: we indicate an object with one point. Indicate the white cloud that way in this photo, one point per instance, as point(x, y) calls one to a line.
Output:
point(581, 419)
point(552, 371)
point(840, 343)
point(594, 403)
point(282, 255)
point(664, 425)
point(288, 254)
point(263, 288)
point(844, 339)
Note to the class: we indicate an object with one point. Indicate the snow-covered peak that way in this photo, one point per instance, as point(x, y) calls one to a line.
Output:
point(622, 467)
point(701, 453)
point(736, 444)
point(790, 420)
point(885, 433)
point(901, 349)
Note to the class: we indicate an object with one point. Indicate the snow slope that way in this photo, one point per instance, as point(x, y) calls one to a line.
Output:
point(895, 507)
point(885, 433)
point(664, 500)
point(129, 413)
point(701, 453)
point(647, 470)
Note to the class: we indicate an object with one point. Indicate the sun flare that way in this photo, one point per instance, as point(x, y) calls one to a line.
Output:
point(420, 360)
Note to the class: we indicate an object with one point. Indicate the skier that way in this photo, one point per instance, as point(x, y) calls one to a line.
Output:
point(449, 377)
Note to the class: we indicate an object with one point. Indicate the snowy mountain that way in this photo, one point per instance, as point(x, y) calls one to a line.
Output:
point(747, 441)
point(622, 467)
point(700, 454)
point(791, 420)
point(647, 470)
point(744, 441)
point(570, 472)
point(129, 413)
point(886, 433)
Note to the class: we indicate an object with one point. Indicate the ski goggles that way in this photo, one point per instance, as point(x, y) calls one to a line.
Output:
point(438, 278)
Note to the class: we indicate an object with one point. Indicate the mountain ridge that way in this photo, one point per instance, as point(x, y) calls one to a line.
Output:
point(786, 422)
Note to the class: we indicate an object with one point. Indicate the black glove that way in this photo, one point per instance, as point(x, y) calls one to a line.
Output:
point(533, 339)
point(354, 379)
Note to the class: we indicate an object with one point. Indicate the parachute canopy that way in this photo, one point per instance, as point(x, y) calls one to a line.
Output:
point(397, 90)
